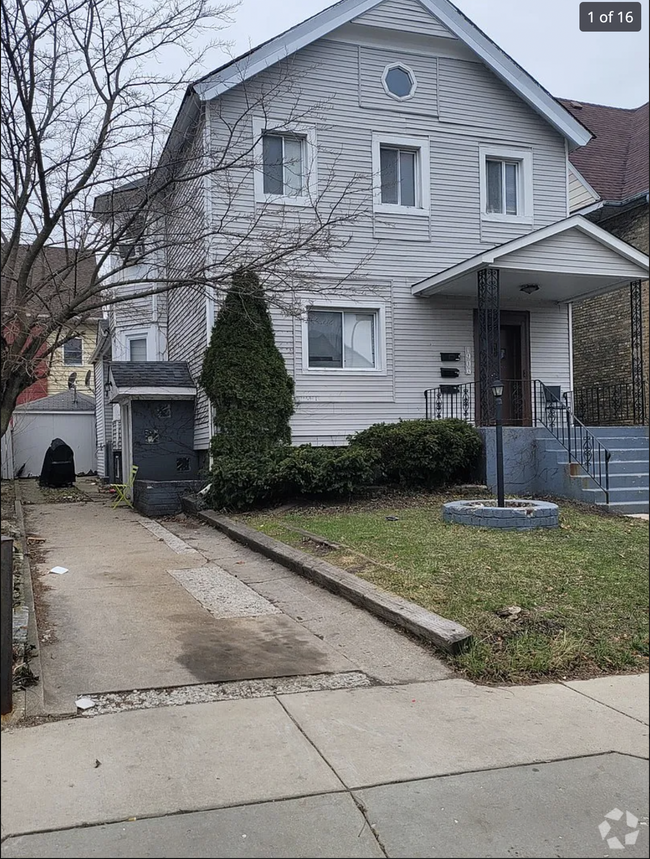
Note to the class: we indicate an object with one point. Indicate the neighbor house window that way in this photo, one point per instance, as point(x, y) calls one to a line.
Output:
point(283, 164)
point(401, 170)
point(506, 183)
point(73, 352)
point(138, 349)
point(502, 186)
point(342, 339)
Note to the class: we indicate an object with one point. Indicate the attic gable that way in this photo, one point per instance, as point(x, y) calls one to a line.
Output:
point(442, 14)
point(406, 16)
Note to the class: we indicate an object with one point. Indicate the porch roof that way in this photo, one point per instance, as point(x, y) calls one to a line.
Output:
point(150, 380)
point(569, 260)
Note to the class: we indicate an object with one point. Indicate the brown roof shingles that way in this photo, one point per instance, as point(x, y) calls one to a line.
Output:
point(57, 277)
point(615, 161)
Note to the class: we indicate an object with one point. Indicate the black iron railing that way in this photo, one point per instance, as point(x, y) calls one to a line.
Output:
point(464, 401)
point(608, 405)
point(554, 413)
point(451, 401)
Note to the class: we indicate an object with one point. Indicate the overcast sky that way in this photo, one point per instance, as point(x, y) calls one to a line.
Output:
point(542, 35)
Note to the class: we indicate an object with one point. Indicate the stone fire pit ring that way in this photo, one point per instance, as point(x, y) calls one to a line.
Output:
point(519, 514)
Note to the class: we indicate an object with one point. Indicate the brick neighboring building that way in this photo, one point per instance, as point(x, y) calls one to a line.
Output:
point(609, 185)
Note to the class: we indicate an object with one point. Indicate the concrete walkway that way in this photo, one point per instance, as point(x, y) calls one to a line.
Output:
point(407, 761)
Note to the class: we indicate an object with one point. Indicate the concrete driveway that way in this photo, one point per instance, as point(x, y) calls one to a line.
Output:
point(140, 609)
point(143, 608)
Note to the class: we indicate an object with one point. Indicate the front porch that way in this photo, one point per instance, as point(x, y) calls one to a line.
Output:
point(555, 266)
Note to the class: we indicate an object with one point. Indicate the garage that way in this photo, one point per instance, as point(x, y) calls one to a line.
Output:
point(69, 416)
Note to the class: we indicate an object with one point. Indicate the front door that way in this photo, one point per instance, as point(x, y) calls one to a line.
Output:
point(514, 367)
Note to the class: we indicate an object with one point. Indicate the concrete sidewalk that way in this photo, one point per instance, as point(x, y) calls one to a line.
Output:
point(377, 761)
point(407, 761)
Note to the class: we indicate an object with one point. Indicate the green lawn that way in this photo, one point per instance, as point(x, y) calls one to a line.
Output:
point(582, 588)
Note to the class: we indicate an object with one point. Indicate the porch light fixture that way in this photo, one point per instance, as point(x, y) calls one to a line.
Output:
point(497, 393)
point(497, 388)
point(529, 288)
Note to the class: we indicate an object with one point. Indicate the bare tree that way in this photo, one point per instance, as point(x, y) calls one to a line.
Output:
point(93, 165)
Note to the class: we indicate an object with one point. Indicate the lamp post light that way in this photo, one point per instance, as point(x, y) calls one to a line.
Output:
point(497, 393)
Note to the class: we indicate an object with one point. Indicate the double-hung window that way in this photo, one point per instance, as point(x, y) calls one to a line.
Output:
point(502, 187)
point(506, 183)
point(283, 164)
point(399, 169)
point(73, 352)
point(137, 349)
point(342, 339)
point(401, 174)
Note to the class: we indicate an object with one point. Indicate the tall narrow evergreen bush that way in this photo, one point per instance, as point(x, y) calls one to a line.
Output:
point(244, 374)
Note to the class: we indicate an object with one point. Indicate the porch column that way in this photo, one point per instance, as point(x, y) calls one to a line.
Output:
point(489, 341)
point(636, 325)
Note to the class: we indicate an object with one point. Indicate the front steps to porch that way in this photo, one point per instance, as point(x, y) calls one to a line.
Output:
point(628, 469)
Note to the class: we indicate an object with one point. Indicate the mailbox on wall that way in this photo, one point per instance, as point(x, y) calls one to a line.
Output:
point(449, 356)
point(449, 372)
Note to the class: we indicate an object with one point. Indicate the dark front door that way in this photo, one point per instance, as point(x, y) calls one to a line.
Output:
point(511, 375)
point(515, 367)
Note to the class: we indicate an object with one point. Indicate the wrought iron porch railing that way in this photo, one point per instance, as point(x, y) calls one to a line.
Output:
point(548, 409)
point(464, 401)
point(451, 401)
point(609, 405)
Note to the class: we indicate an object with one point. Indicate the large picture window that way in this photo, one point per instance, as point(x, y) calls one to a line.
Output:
point(342, 339)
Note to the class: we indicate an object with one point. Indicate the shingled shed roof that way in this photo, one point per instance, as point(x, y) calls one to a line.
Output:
point(615, 161)
point(66, 401)
point(151, 374)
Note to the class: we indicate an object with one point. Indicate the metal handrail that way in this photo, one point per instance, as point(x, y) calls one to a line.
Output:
point(581, 444)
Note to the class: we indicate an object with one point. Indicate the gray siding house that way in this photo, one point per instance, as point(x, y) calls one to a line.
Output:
point(464, 261)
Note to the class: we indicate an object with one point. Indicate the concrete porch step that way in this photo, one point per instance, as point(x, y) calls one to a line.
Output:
point(636, 431)
point(621, 494)
point(631, 479)
point(627, 507)
point(620, 454)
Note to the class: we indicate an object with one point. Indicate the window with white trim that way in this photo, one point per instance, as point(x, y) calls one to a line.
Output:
point(398, 175)
point(502, 186)
point(283, 164)
point(506, 184)
point(401, 171)
point(73, 352)
point(399, 81)
point(342, 339)
point(285, 170)
point(137, 348)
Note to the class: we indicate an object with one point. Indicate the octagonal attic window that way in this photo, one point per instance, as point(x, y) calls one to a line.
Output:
point(399, 81)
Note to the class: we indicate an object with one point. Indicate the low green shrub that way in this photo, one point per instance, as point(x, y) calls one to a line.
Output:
point(243, 481)
point(328, 471)
point(420, 453)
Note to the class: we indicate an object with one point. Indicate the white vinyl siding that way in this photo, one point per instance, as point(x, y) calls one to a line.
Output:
point(579, 195)
point(398, 248)
point(404, 15)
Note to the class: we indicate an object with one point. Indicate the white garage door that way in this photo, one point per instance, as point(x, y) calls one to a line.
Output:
point(33, 433)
